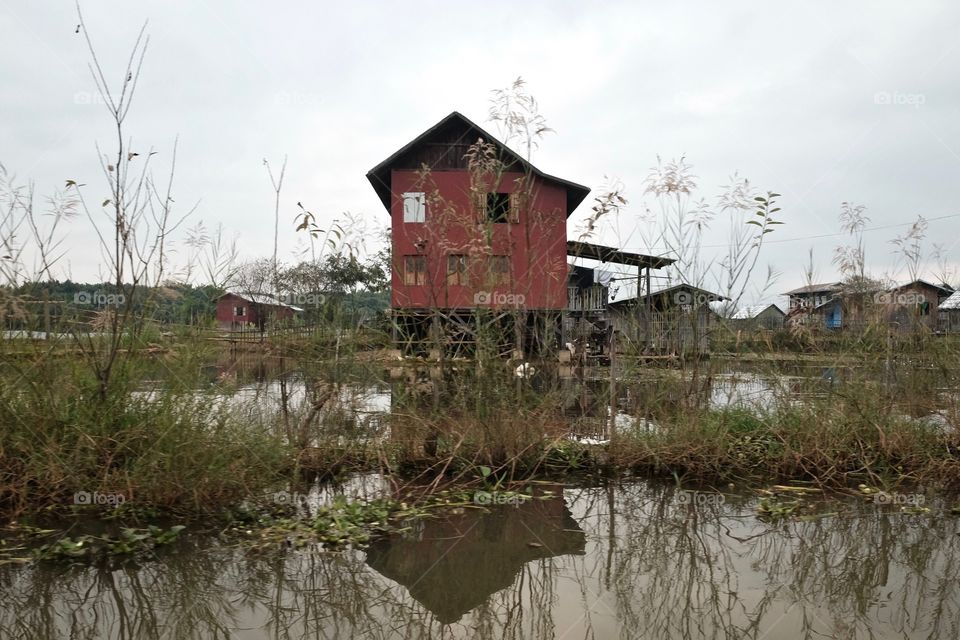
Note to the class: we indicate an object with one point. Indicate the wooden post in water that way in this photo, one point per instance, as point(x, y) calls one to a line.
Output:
point(649, 310)
point(46, 313)
point(612, 423)
point(637, 334)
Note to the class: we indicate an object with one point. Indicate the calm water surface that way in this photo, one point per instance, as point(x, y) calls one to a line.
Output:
point(638, 560)
point(635, 560)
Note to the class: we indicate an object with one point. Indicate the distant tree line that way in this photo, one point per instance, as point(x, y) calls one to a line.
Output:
point(348, 288)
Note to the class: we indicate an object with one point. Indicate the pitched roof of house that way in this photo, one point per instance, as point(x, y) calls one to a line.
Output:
point(951, 303)
point(829, 287)
point(379, 176)
point(676, 288)
point(752, 311)
point(259, 298)
point(942, 287)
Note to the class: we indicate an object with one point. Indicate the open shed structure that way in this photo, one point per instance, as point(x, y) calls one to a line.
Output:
point(673, 319)
point(590, 315)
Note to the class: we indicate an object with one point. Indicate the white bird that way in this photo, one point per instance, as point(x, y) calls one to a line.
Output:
point(524, 370)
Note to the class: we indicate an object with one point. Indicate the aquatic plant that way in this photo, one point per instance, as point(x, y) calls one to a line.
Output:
point(129, 542)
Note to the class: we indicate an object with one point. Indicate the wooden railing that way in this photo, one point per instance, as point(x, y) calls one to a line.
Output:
point(256, 335)
point(591, 299)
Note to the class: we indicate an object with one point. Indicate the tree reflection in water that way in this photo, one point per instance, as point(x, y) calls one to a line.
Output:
point(630, 561)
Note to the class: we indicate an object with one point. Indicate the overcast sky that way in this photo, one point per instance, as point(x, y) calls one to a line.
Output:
point(821, 102)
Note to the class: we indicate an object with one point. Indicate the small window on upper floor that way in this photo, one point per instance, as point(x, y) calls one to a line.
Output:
point(498, 207)
point(239, 311)
point(414, 206)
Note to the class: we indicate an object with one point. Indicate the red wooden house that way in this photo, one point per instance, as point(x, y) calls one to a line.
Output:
point(251, 311)
point(474, 227)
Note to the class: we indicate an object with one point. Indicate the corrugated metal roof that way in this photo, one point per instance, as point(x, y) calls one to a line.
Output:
point(951, 303)
point(603, 253)
point(261, 298)
point(631, 293)
point(829, 287)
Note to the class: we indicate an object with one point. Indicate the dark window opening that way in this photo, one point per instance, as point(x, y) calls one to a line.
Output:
point(498, 207)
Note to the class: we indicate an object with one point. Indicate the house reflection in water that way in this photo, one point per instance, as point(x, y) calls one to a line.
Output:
point(452, 565)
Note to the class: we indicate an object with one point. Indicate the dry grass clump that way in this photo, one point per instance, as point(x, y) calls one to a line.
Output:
point(831, 442)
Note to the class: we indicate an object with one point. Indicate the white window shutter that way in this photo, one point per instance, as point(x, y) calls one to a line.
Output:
point(414, 206)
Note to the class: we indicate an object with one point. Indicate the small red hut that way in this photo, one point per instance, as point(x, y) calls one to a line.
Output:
point(251, 311)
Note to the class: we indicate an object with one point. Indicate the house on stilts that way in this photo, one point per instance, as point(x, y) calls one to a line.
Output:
point(479, 242)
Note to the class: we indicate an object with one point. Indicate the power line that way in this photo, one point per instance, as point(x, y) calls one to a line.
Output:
point(833, 235)
point(843, 233)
